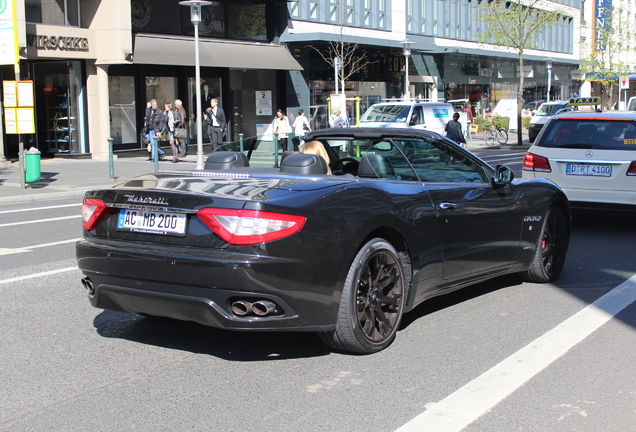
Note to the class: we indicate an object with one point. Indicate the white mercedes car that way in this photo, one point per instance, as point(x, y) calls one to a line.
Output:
point(591, 156)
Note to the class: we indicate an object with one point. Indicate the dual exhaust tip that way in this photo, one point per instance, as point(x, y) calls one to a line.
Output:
point(88, 284)
point(258, 308)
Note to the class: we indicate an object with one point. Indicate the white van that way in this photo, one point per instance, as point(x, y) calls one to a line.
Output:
point(507, 108)
point(631, 104)
point(431, 116)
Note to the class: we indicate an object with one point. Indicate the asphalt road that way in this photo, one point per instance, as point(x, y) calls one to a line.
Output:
point(498, 356)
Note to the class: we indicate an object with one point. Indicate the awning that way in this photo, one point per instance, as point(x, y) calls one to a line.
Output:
point(238, 55)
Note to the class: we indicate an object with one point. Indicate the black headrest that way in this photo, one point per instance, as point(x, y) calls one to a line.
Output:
point(304, 163)
point(224, 160)
point(286, 153)
point(375, 165)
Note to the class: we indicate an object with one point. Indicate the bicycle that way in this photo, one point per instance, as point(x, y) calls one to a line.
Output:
point(492, 134)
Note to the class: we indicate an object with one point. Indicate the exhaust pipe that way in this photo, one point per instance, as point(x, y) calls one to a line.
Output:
point(241, 307)
point(263, 307)
point(88, 284)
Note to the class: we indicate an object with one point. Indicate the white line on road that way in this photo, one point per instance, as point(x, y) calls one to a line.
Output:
point(40, 208)
point(458, 410)
point(36, 275)
point(11, 251)
point(40, 220)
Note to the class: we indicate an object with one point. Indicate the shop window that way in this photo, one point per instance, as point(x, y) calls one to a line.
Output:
point(60, 113)
point(60, 12)
point(121, 96)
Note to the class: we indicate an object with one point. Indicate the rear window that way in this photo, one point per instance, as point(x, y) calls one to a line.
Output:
point(548, 109)
point(601, 134)
point(387, 113)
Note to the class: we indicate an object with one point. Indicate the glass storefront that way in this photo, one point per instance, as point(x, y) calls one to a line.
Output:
point(60, 113)
point(121, 94)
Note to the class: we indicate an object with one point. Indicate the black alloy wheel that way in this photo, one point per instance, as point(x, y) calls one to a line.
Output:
point(552, 249)
point(372, 301)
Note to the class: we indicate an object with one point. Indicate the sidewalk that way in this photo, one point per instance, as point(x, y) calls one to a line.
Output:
point(68, 178)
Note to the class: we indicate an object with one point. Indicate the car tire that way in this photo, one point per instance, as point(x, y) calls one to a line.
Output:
point(531, 136)
point(372, 302)
point(552, 248)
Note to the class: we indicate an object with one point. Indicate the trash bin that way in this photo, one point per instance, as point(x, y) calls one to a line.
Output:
point(31, 165)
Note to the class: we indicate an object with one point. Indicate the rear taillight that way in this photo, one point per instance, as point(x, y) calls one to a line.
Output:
point(532, 162)
point(631, 171)
point(92, 212)
point(245, 227)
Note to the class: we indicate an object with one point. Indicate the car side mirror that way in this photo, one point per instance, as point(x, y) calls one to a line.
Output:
point(413, 120)
point(503, 175)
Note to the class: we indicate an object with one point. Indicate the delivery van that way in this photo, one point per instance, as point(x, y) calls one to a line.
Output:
point(431, 116)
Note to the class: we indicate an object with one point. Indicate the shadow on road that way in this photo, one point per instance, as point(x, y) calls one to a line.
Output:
point(200, 339)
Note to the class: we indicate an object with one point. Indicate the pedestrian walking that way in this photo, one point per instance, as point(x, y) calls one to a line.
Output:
point(453, 130)
point(301, 127)
point(215, 123)
point(153, 121)
point(469, 119)
point(167, 130)
point(281, 128)
point(181, 128)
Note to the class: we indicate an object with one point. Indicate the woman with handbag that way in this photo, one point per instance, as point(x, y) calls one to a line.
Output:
point(168, 129)
point(281, 128)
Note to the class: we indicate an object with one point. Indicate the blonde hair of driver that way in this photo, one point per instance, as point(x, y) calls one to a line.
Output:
point(316, 147)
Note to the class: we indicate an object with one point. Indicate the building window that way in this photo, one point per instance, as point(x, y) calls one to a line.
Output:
point(60, 12)
point(294, 9)
point(313, 10)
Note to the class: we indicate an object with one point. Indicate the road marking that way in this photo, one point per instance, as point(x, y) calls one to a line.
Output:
point(458, 410)
point(40, 220)
point(40, 208)
point(11, 251)
point(36, 275)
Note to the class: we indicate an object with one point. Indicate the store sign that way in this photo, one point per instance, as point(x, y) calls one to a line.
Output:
point(63, 43)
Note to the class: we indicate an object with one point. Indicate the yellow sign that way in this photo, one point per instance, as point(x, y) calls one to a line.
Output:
point(19, 115)
point(584, 101)
point(630, 141)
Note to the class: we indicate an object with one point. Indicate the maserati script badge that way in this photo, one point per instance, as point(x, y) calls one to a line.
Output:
point(145, 200)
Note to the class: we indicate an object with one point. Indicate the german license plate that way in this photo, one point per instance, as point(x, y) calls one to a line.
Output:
point(589, 170)
point(152, 222)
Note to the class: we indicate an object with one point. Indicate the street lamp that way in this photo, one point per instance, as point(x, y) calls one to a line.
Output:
point(195, 17)
point(548, 65)
point(406, 50)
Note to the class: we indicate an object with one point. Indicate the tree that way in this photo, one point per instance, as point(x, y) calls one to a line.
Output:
point(345, 52)
point(515, 26)
point(605, 57)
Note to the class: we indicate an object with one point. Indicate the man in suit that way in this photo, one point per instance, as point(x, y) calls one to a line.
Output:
point(215, 123)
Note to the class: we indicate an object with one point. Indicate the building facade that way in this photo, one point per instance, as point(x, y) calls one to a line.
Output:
point(446, 61)
point(96, 63)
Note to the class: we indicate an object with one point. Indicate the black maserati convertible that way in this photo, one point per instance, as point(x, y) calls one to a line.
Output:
point(342, 244)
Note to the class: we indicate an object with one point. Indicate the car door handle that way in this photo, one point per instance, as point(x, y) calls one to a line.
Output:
point(447, 206)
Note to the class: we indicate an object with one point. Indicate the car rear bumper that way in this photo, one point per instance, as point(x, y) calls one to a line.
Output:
point(606, 197)
point(203, 288)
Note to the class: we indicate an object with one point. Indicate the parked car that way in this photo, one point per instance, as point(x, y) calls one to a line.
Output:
point(542, 115)
point(406, 216)
point(432, 116)
point(591, 156)
point(631, 104)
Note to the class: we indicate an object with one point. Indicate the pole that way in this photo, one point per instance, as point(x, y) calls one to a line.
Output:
point(549, 83)
point(406, 79)
point(111, 166)
point(197, 72)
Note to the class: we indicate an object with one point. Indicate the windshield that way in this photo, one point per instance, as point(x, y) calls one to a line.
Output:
point(590, 134)
point(548, 109)
point(387, 113)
